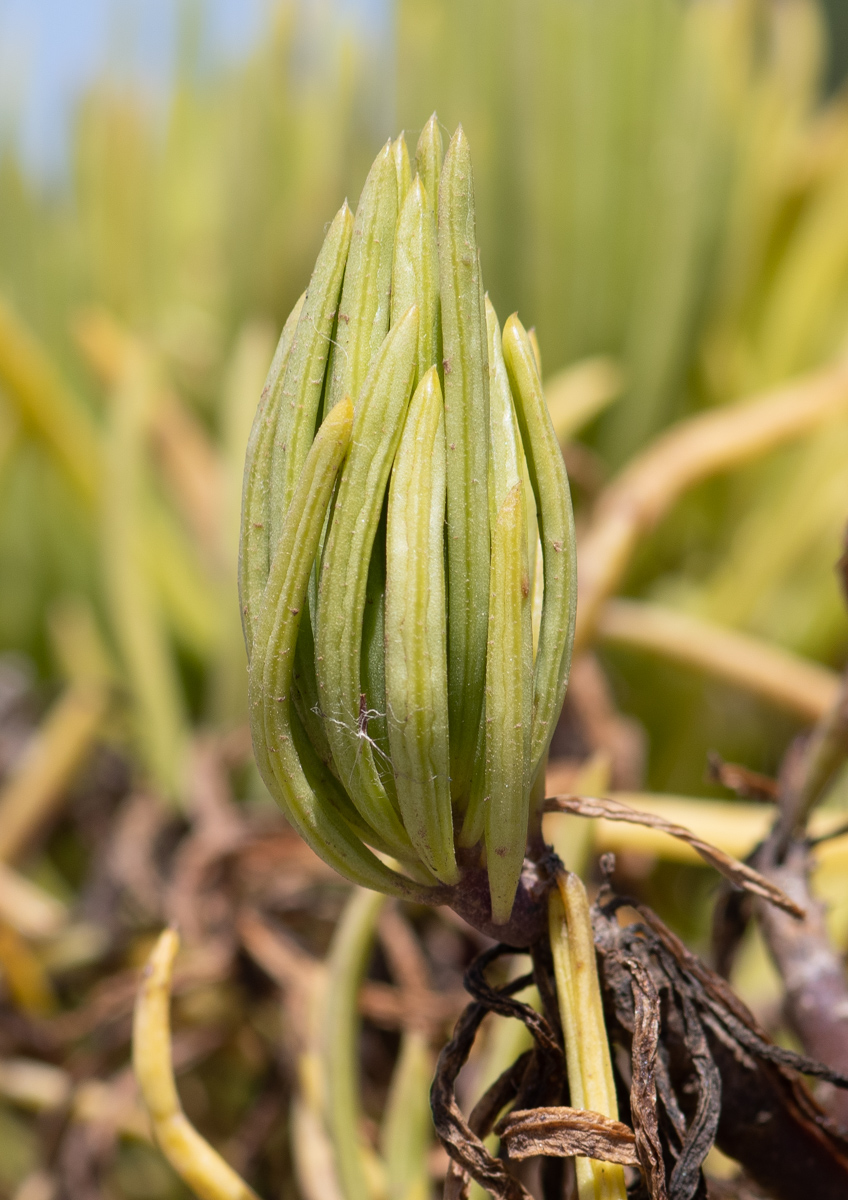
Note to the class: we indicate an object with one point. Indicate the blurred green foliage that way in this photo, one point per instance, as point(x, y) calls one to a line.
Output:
point(657, 181)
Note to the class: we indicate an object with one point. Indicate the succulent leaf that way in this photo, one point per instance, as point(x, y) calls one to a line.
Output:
point(373, 670)
point(363, 319)
point(415, 273)
point(556, 527)
point(403, 169)
point(303, 381)
point(305, 696)
point(508, 461)
point(506, 451)
point(277, 749)
point(466, 391)
point(506, 467)
point(416, 643)
point(380, 411)
point(254, 555)
point(509, 710)
point(429, 154)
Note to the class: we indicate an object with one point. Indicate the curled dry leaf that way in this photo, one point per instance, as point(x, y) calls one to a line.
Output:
point(718, 1079)
point(463, 1146)
point(500, 1000)
point(643, 1087)
point(738, 873)
point(701, 1073)
point(483, 1118)
point(459, 1137)
point(566, 1132)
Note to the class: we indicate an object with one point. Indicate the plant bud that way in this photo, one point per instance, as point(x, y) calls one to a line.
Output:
point(407, 571)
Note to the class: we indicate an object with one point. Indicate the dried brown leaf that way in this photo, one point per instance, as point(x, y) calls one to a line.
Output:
point(711, 1048)
point(643, 1088)
point(455, 1133)
point(813, 972)
point(737, 872)
point(564, 1132)
point(482, 1121)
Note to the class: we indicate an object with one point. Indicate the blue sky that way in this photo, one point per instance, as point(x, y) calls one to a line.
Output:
point(49, 49)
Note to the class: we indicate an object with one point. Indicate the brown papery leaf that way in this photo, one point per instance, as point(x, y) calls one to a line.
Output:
point(462, 1144)
point(643, 1090)
point(482, 1121)
point(564, 1132)
point(738, 873)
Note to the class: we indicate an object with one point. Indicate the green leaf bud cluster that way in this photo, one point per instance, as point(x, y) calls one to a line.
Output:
point(407, 567)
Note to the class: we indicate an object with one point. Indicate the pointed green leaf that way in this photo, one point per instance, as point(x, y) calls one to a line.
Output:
point(556, 528)
point(428, 159)
point(403, 170)
point(415, 274)
point(505, 442)
point(363, 320)
point(303, 381)
point(508, 463)
point(466, 392)
point(373, 668)
point(506, 467)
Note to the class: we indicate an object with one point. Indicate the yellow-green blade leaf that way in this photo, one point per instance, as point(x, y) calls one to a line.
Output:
point(403, 169)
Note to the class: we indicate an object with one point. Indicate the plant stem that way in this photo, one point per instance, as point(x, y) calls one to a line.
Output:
point(587, 1053)
point(346, 965)
point(200, 1166)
